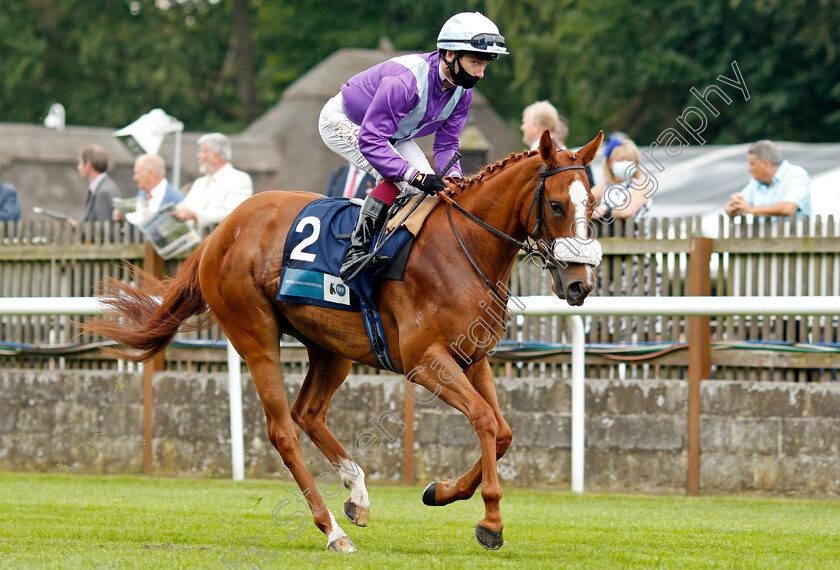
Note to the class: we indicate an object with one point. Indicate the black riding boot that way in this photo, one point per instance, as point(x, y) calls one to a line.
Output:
point(371, 217)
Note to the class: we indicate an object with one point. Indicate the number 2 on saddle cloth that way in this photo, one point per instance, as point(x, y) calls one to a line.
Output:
point(315, 248)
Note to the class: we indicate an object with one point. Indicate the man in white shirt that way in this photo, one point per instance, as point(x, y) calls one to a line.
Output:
point(539, 116)
point(213, 196)
point(155, 191)
point(542, 115)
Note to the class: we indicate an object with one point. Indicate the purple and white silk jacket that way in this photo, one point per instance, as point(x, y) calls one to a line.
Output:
point(403, 98)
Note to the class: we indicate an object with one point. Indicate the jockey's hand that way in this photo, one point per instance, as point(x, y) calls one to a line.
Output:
point(431, 184)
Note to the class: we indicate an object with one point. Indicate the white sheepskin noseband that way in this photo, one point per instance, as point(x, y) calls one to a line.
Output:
point(574, 250)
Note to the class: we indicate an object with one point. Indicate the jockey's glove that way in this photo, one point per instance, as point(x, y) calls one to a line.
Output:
point(431, 184)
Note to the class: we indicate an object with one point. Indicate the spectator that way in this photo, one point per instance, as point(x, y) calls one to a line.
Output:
point(542, 115)
point(777, 188)
point(561, 133)
point(373, 120)
point(93, 167)
point(9, 203)
point(349, 181)
point(539, 116)
point(222, 188)
point(626, 194)
point(626, 191)
point(155, 191)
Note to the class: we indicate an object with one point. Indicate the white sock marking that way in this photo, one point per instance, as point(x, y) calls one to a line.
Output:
point(353, 478)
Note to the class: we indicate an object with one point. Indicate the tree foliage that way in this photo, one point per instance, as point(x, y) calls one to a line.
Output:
point(605, 63)
point(630, 65)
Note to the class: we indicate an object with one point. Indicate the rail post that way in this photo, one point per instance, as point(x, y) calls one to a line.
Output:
point(154, 265)
point(699, 352)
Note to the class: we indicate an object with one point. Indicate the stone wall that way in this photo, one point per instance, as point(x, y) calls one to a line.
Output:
point(780, 438)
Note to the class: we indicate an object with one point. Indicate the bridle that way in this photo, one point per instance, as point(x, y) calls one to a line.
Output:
point(539, 197)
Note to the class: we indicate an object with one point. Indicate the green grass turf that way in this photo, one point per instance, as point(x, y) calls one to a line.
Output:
point(73, 521)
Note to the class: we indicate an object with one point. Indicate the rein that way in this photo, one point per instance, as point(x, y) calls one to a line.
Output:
point(539, 196)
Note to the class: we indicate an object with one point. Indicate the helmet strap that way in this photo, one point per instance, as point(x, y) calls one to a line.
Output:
point(461, 78)
point(450, 65)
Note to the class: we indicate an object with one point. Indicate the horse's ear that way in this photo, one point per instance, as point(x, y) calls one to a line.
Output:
point(588, 152)
point(547, 149)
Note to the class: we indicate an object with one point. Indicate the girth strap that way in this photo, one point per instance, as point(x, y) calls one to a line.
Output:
point(376, 336)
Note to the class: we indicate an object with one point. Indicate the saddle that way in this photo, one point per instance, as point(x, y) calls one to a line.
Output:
point(319, 239)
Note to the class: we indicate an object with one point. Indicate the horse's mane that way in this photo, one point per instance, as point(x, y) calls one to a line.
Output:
point(497, 166)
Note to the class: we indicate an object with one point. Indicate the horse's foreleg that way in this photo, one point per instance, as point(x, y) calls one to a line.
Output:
point(440, 493)
point(327, 371)
point(460, 394)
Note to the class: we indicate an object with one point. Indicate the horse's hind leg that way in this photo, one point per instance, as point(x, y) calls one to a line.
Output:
point(250, 324)
point(440, 493)
point(327, 371)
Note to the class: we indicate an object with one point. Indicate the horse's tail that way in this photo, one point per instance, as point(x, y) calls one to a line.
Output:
point(146, 320)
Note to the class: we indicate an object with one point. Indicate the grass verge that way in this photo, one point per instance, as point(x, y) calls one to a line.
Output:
point(73, 521)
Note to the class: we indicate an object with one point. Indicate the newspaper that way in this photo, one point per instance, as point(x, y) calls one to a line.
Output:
point(167, 234)
point(125, 205)
point(51, 213)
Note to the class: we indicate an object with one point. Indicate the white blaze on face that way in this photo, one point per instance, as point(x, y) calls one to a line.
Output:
point(580, 244)
point(579, 197)
point(590, 276)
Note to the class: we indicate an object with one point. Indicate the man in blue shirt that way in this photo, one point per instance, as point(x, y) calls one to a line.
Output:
point(778, 188)
point(155, 191)
point(9, 203)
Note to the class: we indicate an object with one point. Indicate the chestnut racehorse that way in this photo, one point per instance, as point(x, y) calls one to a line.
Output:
point(428, 317)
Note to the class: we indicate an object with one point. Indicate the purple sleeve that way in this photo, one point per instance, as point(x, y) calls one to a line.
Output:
point(446, 138)
point(391, 102)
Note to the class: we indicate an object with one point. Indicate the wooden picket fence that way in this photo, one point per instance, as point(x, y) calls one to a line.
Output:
point(42, 259)
point(765, 257)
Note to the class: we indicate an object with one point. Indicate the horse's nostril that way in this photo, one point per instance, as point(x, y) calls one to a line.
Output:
point(576, 292)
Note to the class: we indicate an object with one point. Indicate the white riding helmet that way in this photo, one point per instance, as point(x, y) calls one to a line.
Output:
point(474, 32)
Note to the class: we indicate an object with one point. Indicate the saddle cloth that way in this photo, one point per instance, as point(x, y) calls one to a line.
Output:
point(313, 252)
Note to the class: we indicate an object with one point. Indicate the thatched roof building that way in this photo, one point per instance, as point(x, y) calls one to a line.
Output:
point(282, 150)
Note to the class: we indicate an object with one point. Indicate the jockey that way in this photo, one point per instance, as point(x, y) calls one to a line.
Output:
point(378, 112)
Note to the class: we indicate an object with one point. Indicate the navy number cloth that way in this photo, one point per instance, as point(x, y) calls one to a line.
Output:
point(313, 254)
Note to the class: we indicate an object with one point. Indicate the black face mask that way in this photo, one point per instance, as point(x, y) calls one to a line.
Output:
point(461, 78)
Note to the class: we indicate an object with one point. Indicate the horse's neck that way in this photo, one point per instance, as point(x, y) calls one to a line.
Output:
point(498, 199)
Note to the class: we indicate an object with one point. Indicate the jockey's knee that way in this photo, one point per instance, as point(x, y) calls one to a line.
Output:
point(386, 191)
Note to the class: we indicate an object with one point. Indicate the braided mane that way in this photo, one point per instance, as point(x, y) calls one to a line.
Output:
point(499, 165)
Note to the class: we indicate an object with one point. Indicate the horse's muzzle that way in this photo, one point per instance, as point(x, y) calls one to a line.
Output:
point(574, 282)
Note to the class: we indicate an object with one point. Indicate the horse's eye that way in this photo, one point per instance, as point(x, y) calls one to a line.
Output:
point(557, 207)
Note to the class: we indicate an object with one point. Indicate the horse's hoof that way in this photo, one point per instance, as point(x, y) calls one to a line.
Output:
point(342, 544)
point(489, 539)
point(359, 516)
point(429, 494)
